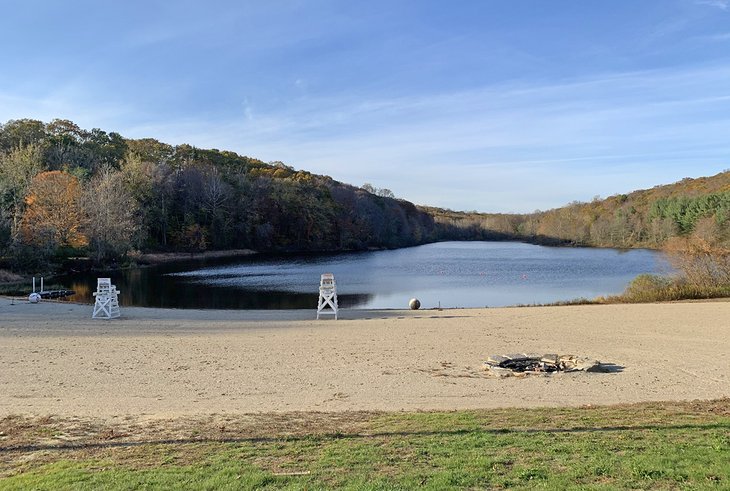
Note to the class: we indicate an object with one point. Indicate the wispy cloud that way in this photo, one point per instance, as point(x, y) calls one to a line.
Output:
point(607, 133)
point(720, 37)
point(491, 129)
point(492, 148)
point(720, 4)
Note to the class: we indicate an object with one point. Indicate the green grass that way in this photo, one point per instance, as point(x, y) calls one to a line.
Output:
point(646, 446)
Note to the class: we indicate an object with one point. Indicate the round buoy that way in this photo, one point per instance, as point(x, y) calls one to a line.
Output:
point(34, 298)
point(414, 304)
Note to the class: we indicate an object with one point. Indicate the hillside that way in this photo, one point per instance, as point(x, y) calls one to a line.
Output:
point(644, 218)
point(66, 191)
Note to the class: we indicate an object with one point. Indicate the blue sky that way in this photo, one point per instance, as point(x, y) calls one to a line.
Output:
point(489, 105)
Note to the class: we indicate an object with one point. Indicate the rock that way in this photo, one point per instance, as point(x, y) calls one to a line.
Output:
point(496, 359)
point(522, 364)
point(550, 358)
point(588, 365)
point(572, 363)
point(532, 355)
point(517, 356)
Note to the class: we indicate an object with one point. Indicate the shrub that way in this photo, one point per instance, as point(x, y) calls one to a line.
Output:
point(701, 263)
point(9, 277)
point(648, 288)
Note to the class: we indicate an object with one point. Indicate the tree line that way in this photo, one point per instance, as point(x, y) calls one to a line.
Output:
point(689, 220)
point(66, 191)
point(692, 208)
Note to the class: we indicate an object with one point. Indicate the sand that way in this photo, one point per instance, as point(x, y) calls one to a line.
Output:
point(156, 363)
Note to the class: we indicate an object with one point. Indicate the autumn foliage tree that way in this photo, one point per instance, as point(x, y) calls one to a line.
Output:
point(53, 216)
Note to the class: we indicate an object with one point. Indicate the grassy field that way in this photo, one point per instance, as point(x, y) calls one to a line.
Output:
point(645, 446)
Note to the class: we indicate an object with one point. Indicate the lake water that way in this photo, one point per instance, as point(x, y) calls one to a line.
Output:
point(446, 274)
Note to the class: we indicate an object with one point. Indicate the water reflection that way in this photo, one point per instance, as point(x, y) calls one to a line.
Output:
point(449, 274)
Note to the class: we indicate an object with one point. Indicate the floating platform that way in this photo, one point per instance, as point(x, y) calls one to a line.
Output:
point(56, 293)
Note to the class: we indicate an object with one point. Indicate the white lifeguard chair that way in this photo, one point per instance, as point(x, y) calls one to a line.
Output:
point(106, 305)
point(327, 295)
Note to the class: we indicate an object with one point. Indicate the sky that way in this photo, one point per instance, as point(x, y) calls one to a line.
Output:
point(487, 105)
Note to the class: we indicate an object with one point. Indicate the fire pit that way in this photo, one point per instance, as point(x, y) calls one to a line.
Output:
point(523, 364)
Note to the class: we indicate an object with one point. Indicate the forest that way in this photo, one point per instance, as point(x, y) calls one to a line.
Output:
point(692, 208)
point(67, 192)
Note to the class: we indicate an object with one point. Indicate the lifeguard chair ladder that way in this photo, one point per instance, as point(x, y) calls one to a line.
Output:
point(327, 295)
point(106, 305)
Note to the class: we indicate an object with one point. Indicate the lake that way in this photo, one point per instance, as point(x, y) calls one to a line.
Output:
point(446, 274)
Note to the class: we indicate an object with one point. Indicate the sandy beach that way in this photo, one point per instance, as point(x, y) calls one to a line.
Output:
point(160, 363)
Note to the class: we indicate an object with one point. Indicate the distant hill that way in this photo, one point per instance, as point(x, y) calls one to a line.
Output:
point(66, 191)
point(644, 218)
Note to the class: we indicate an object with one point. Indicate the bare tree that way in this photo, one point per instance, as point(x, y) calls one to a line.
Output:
point(17, 170)
point(112, 215)
point(214, 192)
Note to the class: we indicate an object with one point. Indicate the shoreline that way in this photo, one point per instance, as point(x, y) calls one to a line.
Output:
point(153, 258)
point(169, 362)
